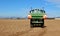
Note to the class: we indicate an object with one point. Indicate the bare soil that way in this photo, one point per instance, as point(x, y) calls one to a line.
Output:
point(22, 28)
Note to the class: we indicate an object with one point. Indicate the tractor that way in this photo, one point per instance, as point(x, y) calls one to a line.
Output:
point(37, 17)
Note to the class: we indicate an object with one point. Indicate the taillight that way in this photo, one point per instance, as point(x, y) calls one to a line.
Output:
point(29, 16)
point(45, 16)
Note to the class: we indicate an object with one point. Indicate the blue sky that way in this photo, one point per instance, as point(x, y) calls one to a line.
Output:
point(20, 8)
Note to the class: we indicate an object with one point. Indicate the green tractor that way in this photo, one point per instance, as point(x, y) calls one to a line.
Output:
point(37, 17)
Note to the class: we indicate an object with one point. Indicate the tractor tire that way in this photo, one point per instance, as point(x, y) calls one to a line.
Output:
point(31, 25)
point(42, 24)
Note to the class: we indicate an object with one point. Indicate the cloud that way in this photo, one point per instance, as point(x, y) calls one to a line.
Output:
point(57, 6)
point(54, 1)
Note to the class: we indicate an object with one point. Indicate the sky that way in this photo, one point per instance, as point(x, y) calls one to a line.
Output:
point(21, 8)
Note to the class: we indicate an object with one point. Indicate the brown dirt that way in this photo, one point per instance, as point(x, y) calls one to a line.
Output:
point(22, 28)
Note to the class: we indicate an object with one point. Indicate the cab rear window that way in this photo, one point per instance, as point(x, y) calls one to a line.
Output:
point(37, 10)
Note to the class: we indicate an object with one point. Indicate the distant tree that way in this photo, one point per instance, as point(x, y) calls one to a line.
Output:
point(18, 18)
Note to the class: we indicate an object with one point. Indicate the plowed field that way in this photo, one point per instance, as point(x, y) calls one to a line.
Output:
point(22, 28)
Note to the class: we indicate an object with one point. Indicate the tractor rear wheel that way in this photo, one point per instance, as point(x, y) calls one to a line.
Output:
point(31, 25)
point(42, 24)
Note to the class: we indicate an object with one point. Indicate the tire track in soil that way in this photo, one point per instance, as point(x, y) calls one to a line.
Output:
point(20, 33)
point(36, 32)
point(28, 32)
point(43, 32)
